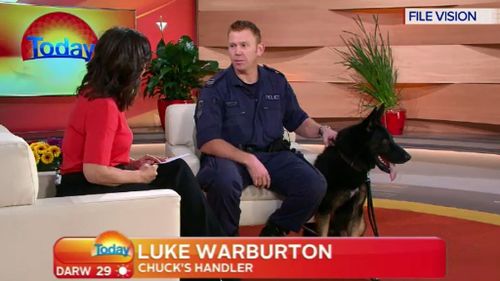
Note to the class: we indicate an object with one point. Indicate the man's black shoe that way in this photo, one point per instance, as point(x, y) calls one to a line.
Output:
point(273, 230)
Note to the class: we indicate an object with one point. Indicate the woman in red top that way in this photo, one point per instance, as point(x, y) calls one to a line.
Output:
point(97, 141)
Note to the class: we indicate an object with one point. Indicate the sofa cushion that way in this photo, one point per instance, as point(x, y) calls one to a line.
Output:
point(251, 193)
point(179, 125)
point(18, 173)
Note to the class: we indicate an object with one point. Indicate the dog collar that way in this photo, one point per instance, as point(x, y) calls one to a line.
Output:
point(351, 163)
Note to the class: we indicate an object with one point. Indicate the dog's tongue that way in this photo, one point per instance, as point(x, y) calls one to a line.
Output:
point(392, 174)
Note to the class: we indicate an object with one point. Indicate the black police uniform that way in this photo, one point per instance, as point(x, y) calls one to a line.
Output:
point(253, 116)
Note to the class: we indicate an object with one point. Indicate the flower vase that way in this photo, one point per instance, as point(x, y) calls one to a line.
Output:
point(42, 167)
point(162, 106)
point(394, 120)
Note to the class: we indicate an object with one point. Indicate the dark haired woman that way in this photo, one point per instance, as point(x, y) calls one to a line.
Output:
point(97, 141)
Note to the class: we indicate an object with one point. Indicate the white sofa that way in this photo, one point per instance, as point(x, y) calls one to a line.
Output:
point(29, 226)
point(256, 204)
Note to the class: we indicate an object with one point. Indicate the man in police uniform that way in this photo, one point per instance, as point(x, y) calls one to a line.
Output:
point(240, 117)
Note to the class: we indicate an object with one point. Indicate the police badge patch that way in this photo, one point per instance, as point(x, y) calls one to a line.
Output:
point(210, 82)
point(199, 109)
point(272, 97)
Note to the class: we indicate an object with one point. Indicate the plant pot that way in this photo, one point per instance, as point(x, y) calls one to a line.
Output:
point(394, 120)
point(162, 105)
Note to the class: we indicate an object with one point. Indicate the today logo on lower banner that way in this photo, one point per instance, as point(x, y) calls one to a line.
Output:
point(109, 255)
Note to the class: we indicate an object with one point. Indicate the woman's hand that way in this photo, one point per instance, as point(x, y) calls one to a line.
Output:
point(146, 159)
point(147, 173)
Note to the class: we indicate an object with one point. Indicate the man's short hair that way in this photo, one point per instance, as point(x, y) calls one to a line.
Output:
point(240, 25)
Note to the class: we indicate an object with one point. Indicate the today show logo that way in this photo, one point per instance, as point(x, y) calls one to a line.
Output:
point(58, 35)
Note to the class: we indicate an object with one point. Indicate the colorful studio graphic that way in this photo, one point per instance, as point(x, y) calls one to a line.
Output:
point(44, 50)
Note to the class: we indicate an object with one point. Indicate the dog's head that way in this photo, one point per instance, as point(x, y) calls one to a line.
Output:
point(371, 143)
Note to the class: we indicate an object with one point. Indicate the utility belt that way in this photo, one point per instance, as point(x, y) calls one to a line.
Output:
point(275, 146)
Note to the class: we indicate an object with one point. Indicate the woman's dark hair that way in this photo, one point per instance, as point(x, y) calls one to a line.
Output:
point(116, 66)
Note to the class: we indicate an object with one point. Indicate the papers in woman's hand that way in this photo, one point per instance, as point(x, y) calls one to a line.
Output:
point(170, 159)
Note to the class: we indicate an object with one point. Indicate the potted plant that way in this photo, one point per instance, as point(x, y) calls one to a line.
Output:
point(370, 56)
point(175, 72)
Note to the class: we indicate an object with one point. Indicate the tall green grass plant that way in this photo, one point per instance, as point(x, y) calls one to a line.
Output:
point(370, 56)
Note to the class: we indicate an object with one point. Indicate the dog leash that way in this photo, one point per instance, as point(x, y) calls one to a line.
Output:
point(370, 208)
point(371, 212)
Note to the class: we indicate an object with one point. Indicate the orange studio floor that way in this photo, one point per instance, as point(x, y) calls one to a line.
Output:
point(472, 237)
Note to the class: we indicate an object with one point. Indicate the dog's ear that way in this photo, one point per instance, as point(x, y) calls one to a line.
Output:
point(374, 117)
point(381, 110)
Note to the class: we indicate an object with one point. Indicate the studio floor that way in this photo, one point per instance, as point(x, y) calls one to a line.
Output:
point(473, 247)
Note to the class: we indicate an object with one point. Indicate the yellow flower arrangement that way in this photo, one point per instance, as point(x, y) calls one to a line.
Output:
point(47, 156)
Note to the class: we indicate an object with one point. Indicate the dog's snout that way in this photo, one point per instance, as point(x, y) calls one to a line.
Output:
point(407, 157)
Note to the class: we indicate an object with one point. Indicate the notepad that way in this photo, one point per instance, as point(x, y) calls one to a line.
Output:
point(170, 159)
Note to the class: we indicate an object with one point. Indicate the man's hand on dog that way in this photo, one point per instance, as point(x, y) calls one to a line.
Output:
point(328, 135)
point(258, 173)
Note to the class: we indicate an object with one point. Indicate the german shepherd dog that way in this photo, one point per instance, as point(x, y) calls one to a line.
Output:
point(345, 165)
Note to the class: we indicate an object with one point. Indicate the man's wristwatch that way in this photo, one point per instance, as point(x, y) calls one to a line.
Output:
point(322, 130)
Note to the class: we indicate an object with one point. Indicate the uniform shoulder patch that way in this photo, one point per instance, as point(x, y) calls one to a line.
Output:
point(273, 70)
point(213, 80)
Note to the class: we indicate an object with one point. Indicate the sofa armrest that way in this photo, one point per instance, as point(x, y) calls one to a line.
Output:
point(310, 151)
point(18, 173)
point(32, 230)
point(191, 159)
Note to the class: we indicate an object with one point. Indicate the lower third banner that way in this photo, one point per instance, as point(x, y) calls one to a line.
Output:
point(113, 255)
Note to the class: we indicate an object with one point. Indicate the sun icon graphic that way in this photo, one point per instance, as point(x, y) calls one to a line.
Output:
point(124, 271)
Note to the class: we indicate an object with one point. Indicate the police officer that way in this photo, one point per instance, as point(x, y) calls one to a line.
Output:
point(240, 117)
